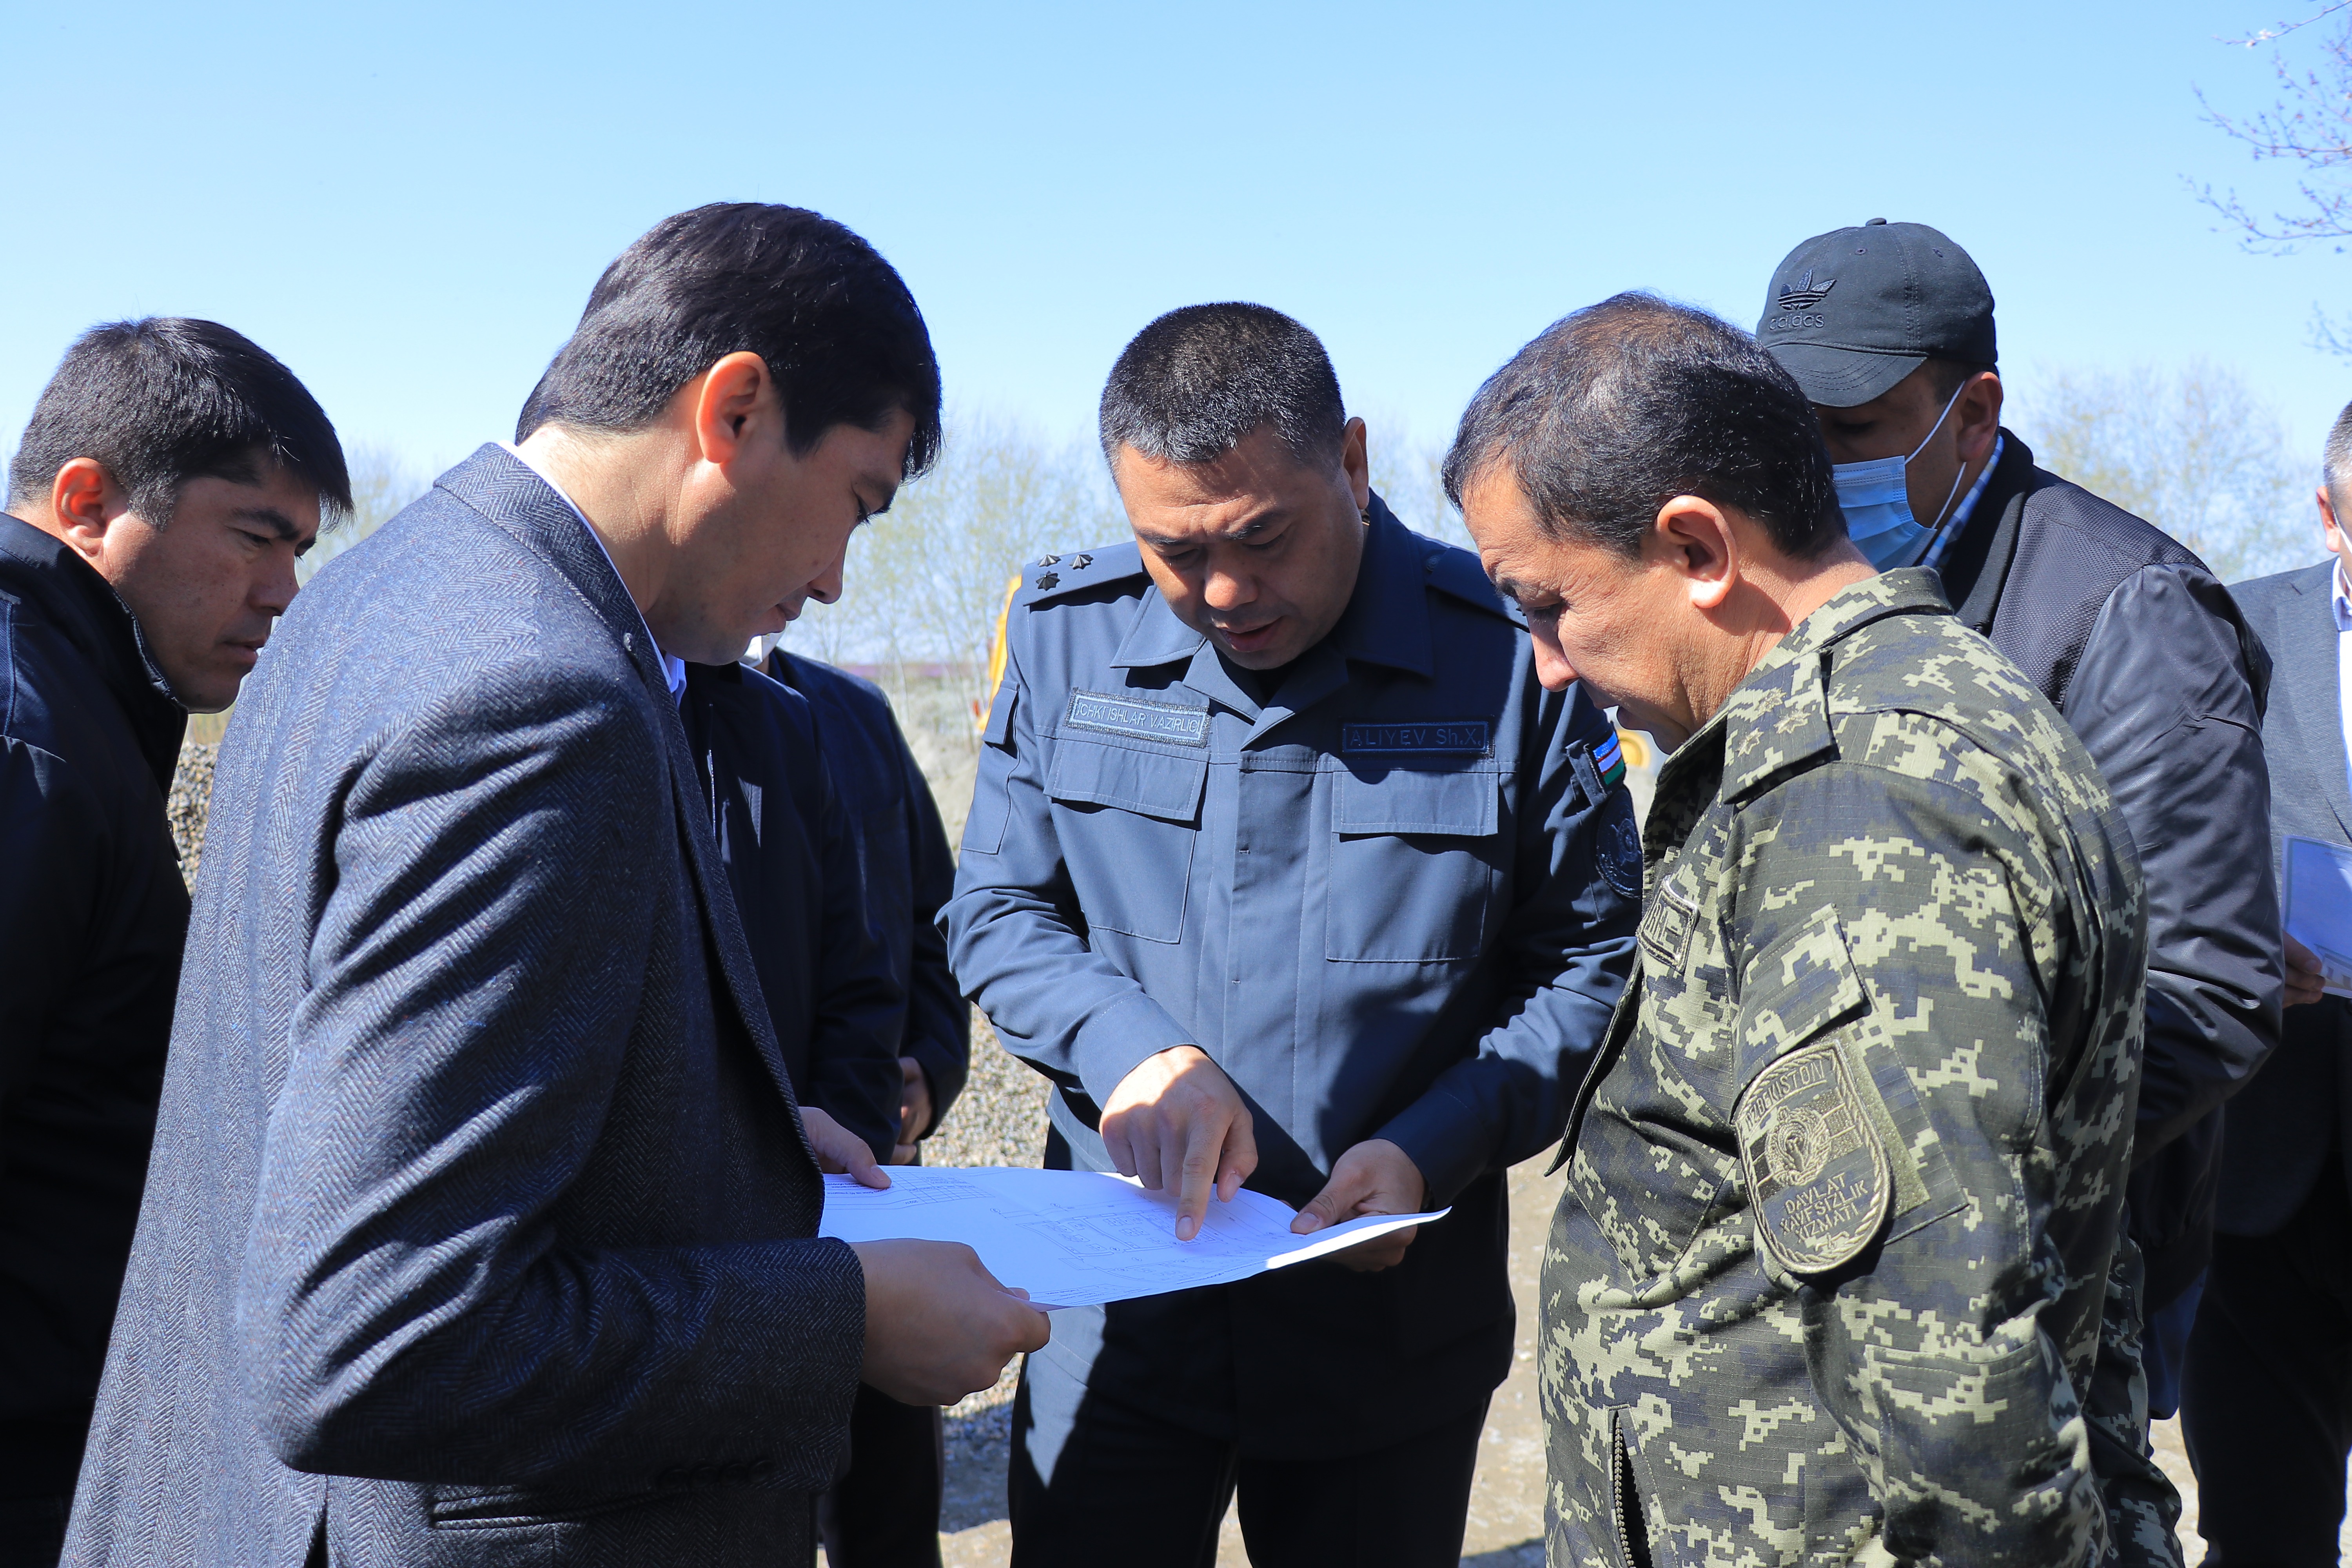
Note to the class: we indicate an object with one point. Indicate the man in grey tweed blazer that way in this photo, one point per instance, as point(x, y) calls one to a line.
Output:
point(480, 1223)
point(2267, 1406)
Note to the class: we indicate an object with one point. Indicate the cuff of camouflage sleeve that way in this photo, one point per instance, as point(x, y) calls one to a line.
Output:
point(1121, 1038)
point(1446, 1140)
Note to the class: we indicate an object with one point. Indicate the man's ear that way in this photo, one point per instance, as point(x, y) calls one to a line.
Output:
point(2330, 530)
point(1693, 538)
point(731, 402)
point(1978, 415)
point(1357, 464)
point(84, 501)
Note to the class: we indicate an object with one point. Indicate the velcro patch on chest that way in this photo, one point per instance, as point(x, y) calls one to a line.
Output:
point(1429, 737)
point(1165, 722)
point(1666, 930)
point(1818, 1180)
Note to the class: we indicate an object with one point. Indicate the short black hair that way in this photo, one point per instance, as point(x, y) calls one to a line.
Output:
point(1617, 409)
point(836, 323)
point(165, 399)
point(1189, 387)
point(2336, 463)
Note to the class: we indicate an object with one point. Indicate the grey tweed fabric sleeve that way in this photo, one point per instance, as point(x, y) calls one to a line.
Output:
point(410, 1306)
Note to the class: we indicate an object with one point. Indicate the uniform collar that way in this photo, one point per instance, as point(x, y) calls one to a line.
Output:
point(1779, 715)
point(1387, 618)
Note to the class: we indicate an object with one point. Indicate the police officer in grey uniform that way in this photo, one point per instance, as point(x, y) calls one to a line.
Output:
point(1286, 870)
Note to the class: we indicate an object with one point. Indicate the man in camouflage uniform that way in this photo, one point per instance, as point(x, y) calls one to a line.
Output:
point(1826, 1282)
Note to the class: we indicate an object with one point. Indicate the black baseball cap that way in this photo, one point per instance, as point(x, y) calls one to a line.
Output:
point(1854, 310)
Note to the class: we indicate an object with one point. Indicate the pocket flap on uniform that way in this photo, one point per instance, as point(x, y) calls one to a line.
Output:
point(1459, 802)
point(1803, 983)
point(1089, 772)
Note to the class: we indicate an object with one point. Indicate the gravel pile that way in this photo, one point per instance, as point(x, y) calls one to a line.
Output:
point(1000, 1117)
point(191, 796)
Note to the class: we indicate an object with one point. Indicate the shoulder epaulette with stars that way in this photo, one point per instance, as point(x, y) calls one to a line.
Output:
point(1065, 572)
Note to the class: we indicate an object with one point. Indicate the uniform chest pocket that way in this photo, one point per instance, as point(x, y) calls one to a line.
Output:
point(1127, 820)
point(1416, 861)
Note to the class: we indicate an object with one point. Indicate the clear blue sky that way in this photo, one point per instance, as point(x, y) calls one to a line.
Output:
point(408, 204)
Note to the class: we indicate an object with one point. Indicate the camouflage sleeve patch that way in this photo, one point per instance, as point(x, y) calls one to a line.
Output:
point(1818, 1181)
point(1825, 1165)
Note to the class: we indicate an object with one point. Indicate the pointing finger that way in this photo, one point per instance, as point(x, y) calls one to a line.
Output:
point(1204, 1143)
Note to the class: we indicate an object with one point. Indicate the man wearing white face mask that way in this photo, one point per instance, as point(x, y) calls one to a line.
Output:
point(1888, 327)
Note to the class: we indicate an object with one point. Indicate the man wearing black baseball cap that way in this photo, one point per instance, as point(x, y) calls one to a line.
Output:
point(1888, 327)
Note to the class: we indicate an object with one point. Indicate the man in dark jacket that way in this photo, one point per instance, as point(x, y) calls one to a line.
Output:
point(792, 862)
point(1889, 329)
point(171, 474)
point(2268, 1404)
point(908, 873)
point(885, 1512)
point(836, 990)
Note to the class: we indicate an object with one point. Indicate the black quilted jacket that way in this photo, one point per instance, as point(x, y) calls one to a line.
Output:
point(2144, 653)
point(92, 917)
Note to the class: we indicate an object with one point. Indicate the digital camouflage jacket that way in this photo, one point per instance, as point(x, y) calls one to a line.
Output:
point(1827, 1279)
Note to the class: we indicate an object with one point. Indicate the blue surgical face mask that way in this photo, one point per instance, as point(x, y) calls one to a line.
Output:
point(1877, 503)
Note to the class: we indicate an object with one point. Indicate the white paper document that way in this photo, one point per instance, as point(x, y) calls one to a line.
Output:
point(2319, 905)
point(1077, 1238)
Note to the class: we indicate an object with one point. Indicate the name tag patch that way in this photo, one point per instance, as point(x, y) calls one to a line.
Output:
point(1164, 721)
point(1435, 737)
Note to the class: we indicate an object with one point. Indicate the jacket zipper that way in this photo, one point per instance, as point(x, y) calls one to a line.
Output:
point(1620, 1468)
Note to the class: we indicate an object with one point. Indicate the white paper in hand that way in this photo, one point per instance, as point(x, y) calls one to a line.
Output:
point(1078, 1238)
point(2319, 905)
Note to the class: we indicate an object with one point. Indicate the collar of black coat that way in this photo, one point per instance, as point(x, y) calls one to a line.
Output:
point(1779, 716)
point(1977, 565)
point(1386, 622)
point(504, 489)
point(61, 588)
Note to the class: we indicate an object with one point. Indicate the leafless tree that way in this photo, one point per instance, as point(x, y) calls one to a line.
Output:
point(2309, 124)
point(1405, 472)
point(2195, 452)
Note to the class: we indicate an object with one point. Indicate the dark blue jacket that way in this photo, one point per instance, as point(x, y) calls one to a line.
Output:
point(92, 917)
point(1395, 900)
point(903, 857)
point(792, 859)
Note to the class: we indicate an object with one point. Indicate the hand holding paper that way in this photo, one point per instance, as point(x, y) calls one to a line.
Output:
point(840, 1149)
point(2319, 907)
point(1375, 1177)
point(2307, 978)
point(1075, 1238)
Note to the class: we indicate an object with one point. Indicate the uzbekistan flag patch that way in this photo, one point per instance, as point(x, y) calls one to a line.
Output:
point(1609, 758)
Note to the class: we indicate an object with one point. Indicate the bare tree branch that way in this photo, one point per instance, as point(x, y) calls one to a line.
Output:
point(2309, 124)
point(2283, 28)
